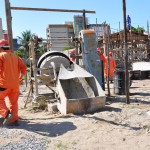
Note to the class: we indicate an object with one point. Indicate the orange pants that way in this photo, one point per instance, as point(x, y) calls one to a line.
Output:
point(13, 95)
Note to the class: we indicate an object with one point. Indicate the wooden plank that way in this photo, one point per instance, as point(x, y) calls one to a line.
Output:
point(126, 54)
point(54, 10)
point(9, 23)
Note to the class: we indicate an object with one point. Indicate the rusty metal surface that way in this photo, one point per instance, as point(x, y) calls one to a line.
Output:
point(79, 91)
point(85, 105)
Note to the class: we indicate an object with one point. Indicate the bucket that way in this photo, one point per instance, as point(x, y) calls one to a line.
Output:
point(119, 82)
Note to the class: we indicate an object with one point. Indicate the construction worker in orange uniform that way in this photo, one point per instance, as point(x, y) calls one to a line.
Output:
point(112, 67)
point(102, 58)
point(12, 69)
point(72, 55)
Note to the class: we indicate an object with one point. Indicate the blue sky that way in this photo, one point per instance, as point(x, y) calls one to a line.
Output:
point(106, 10)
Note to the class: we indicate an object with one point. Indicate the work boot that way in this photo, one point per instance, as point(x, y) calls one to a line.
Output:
point(7, 118)
point(1, 122)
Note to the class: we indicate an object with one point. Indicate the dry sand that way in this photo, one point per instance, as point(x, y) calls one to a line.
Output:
point(117, 127)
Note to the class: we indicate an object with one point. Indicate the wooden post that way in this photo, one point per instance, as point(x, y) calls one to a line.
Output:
point(148, 44)
point(53, 10)
point(34, 67)
point(108, 46)
point(31, 68)
point(131, 39)
point(84, 19)
point(9, 23)
point(126, 54)
point(96, 34)
point(104, 38)
point(148, 28)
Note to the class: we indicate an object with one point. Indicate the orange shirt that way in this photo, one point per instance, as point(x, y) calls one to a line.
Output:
point(11, 68)
point(112, 67)
point(102, 57)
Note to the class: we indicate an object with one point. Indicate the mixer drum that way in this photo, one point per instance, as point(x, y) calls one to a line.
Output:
point(58, 58)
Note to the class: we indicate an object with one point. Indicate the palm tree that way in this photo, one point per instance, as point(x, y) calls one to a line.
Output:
point(24, 40)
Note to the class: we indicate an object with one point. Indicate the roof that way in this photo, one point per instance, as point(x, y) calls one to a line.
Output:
point(130, 36)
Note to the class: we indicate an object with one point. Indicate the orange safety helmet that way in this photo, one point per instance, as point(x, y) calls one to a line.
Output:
point(3, 42)
point(110, 53)
point(72, 51)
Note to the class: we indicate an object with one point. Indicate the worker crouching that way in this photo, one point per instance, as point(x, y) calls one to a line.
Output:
point(12, 69)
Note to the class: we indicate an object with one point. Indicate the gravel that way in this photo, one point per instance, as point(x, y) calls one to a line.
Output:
point(25, 143)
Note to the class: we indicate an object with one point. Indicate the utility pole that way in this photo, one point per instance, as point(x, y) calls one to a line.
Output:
point(148, 44)
point(9, 23)
point(148, 28)
point(104, 38)
point(96, 32)
point(108, 47)
point(84, 19)
point(126, 54)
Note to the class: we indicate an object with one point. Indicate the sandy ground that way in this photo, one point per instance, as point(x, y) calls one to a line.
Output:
point(117, 127)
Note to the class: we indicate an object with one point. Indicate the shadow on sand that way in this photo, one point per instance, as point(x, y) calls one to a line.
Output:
point(45, 129)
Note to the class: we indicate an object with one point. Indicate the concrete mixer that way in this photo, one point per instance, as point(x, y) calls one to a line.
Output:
point(77, 90)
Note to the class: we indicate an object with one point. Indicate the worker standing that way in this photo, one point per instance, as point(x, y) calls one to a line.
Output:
point(112, 67)
point(72, 55)
point(102, 58)
point(12, 69)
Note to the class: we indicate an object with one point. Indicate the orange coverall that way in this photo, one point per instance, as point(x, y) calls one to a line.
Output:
point(12, 69)
point(102, 57)
point(112, 67)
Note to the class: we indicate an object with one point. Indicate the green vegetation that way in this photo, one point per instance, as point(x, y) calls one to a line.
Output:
point(62, 146)
point(68, 47)
point(24, 39)
point(138, 29)
point(19, 53)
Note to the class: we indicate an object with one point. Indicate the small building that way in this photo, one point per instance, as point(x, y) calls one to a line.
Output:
point(98, 28)
point(79, 24)
point(59, 36)
point(5, 35)
point(132, 38)
point(15, 44)
point(137, 44)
